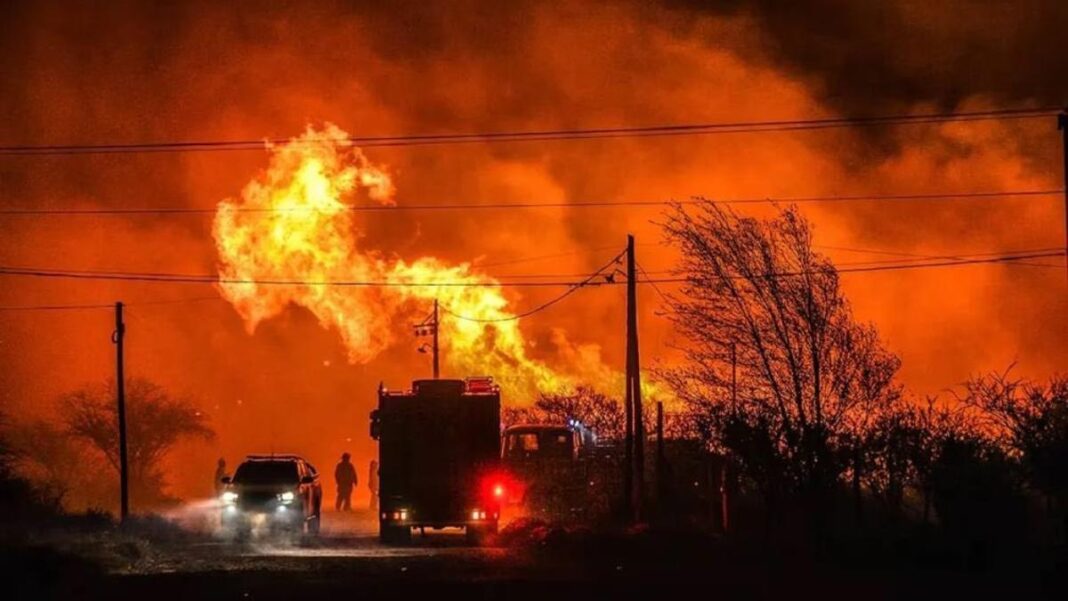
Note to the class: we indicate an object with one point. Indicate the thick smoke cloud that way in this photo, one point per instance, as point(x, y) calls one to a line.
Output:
point(871, 57)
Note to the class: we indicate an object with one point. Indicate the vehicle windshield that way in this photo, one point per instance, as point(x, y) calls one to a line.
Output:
point(526, 442)
point(556, 444)
point(544, 443)
point(266, 472)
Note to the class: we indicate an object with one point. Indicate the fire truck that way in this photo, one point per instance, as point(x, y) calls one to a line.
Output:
point(563, 472)
point(438, 457)
point(557, 471)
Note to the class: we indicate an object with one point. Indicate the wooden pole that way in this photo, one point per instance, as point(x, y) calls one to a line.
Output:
point(1062, 124)
point(634, 380)
point(118, 338)
point(437, 369)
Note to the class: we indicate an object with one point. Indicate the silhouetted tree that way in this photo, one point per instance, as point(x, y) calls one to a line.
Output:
point(1030, 422)
point(156, 421)
point(600, 413)
point(20, 499)
point(597, 411)
point(898, 447)
point(882, 455)
point(975, 488)
point(511, 416)
point(807, 371)
point(58, 465)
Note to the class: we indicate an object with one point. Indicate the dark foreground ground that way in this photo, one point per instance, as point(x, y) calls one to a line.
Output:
point(154, 560)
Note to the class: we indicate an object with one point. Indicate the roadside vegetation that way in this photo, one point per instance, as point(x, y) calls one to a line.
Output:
point(798, 401)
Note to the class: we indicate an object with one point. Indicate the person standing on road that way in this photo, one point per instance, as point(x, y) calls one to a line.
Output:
point(345, 476)
point(220, 473)
point(372, 483)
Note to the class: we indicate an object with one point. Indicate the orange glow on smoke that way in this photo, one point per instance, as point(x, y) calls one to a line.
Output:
point(293, 223)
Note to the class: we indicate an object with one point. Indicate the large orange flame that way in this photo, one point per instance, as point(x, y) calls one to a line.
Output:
point(293, 223)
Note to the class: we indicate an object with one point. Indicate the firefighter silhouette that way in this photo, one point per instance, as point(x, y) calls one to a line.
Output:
point(372, 484)
point(220, 473)
point(345, 476)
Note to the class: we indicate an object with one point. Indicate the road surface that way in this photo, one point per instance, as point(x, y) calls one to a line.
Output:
point(348, 562)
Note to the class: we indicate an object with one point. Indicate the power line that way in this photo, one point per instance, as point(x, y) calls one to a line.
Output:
point(178, 278)
point(178, 211)
point(921, 257)
point(175, 301)
point(645, 273)
point(543, 135)
point(909, 258)
point(573, 286)
point(10, 309)
point(110, 306)
point(613, 261)
point(541, 257)
point(895, 267)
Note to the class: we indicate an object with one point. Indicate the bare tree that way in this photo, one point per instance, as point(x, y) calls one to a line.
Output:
point(156, 421)
point(1029, 421)
point(47, 456)
point(20, 498)
point(808, 373)
point(513, 416)
point(600, 413)
point(899, 447)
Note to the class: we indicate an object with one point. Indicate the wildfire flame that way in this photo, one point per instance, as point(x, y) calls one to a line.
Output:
point(293, 223)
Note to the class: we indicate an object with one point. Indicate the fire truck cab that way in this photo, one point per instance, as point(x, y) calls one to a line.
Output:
point(438, 455)
point(550, 466)
point(539, 442)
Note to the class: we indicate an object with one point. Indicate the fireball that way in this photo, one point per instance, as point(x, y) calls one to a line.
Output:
point(292, 238)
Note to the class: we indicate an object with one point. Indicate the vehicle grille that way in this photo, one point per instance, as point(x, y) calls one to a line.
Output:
point(256, 500)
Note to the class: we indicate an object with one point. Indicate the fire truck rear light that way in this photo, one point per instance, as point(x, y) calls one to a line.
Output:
point(480, 384)
point(498, 490)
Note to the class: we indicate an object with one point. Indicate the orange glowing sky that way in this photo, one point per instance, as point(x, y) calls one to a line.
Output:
point(132, 72)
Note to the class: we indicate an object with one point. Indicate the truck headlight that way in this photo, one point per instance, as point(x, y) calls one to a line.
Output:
point(286, 497)
point(229, 497)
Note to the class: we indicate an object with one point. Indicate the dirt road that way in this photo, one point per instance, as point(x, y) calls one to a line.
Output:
point(347, 561)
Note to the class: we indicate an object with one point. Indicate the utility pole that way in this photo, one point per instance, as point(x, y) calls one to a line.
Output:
point(661, 481)
point(429, 327)
point(734, 377)
point(634, 388)
point(437, 369)
point(1062, 124)
point(628, 446)
point(724, 493)
point(117, 338)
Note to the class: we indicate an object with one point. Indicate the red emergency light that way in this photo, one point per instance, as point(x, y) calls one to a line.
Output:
point(496, 487)
point(481, 384)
